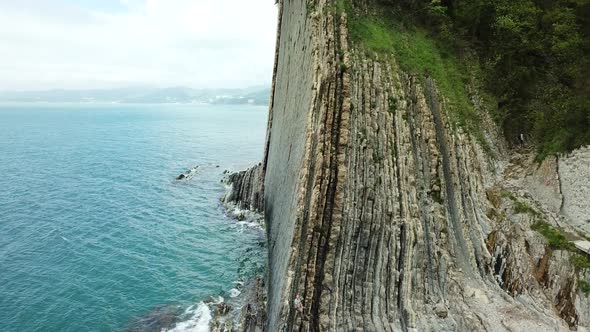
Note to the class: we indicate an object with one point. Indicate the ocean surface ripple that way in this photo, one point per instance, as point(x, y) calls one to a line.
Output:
point(94, 229)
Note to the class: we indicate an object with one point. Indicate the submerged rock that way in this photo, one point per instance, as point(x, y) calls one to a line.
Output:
point(222, 309)
point(159, 319)
point(188, 174)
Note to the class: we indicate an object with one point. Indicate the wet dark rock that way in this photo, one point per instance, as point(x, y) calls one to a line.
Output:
point(188, 174)
point(246, 190)
point(253, 315)
point(223, 309)
point(161, 318)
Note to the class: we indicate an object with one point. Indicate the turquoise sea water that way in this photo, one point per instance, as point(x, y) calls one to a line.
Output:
point(94, 229)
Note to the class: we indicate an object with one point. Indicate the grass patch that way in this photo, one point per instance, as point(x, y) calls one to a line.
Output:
point(372, 33)
point(519, 206)
point(554, 236)
point(343, 6)
point(507, 194)
point(558, 241)
point(418, 52)
point(581, 262)
point(584, 286)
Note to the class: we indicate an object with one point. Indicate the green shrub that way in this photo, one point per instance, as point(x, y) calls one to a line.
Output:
point(521, 207)
point(554, 236)
point(533, 57)
point(584, 286)
point(507, 194)
point(581, 262)
point(343, 6)
point(392, 102)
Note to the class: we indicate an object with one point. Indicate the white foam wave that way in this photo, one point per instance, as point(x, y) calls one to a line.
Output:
point(234, 292)
point(199, 320)
point(237, 211)
point(215, 300)
point(250, 223)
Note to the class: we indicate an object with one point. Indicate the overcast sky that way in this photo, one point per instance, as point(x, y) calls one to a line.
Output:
point(81, 44)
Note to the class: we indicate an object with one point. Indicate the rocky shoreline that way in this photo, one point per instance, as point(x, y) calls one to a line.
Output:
point(245, 189)
point(243, 202)
point(247, 314)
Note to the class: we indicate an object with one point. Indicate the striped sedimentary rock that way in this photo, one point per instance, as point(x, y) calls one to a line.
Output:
point(246, 189)
point(378, 211)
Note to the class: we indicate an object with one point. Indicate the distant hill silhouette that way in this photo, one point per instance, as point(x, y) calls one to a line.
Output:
point(255, 95)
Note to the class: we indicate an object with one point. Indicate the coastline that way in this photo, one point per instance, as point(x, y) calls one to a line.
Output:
point(242, 307)
point(243, 202)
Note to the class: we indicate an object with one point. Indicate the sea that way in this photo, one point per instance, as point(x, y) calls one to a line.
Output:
point(96, 233)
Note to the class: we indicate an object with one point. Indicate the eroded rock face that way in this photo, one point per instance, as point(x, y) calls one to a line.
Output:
point(289, 136)
point(544, 182)
point(574, 172)
point(246, 189)
point(381, 216)
point(562, 184)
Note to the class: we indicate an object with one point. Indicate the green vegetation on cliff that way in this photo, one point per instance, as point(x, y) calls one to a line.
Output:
point(417, 53)
point(532, 55)
point(554, 236)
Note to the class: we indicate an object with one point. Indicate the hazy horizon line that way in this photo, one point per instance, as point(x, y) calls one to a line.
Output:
point(261, 86)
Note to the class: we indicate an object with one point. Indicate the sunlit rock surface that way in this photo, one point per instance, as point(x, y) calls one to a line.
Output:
point(382, 216)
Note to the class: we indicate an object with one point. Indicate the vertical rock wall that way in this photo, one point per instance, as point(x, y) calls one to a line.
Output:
point(543, 180)
point(562, 184)
point(574, 174)
point(379, 215)
point(293, 85)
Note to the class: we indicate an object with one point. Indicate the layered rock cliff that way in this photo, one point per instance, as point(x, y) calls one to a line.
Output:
point(246, 189)
point(384, 216)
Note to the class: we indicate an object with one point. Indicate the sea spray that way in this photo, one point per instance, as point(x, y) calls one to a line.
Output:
point(199, 319)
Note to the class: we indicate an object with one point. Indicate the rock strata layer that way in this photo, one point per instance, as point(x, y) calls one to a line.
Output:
point(382, 216)
point(246, 189)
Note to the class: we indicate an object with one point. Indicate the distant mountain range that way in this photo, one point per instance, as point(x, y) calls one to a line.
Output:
point(254, 96)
